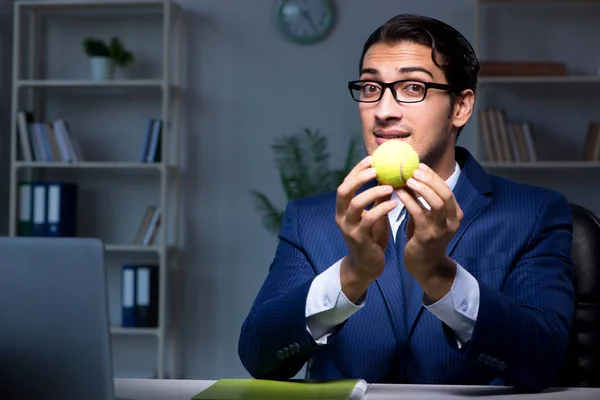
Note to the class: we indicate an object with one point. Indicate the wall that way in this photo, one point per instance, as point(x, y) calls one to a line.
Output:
point(247, 86)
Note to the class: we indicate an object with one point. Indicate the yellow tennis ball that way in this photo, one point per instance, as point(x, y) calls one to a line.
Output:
point(394, 161)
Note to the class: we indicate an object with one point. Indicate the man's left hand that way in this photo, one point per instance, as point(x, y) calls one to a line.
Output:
point(430, 231)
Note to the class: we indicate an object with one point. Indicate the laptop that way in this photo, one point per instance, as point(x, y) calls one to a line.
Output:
point(54, 322)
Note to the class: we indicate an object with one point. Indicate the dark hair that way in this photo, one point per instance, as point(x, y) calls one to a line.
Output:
point(450, 50)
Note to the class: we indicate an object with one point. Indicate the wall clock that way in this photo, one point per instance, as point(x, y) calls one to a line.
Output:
point(305, 21)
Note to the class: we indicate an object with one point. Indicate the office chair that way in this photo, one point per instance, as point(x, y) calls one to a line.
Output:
point(582, 363)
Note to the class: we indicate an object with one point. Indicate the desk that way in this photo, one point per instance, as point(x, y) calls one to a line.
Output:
point(151, 389)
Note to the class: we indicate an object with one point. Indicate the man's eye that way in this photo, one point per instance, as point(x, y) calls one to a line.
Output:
point(370, 89)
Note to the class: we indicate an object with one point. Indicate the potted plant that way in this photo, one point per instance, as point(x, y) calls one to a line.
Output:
point(105, 57)
point(303, 163)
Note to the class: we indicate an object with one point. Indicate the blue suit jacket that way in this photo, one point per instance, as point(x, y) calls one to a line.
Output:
point(514, 239)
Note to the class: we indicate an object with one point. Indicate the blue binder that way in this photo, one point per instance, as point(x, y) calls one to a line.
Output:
point(61, 213)
point(128, 294)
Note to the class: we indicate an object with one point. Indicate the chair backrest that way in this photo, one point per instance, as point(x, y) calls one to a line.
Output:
point(582, 363)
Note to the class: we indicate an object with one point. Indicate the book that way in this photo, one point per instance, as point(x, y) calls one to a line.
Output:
point(229, 389)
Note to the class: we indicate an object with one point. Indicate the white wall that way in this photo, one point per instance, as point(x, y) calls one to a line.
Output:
point(247, 86)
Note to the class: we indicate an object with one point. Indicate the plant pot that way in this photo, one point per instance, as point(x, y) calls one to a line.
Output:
point(103, 68)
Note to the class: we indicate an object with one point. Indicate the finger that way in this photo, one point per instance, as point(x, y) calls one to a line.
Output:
point(413, 207)
point(362, 200)
point(427, 176)
point(379, 211)
point(436, 204)
point(359, 175)
point(459, 212)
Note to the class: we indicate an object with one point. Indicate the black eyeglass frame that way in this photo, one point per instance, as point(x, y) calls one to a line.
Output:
point(390, 85)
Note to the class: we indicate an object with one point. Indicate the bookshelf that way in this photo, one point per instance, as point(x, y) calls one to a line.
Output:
point(539, 114)
point(110, 121)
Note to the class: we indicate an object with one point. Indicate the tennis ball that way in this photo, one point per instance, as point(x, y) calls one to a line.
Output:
point(394, 161)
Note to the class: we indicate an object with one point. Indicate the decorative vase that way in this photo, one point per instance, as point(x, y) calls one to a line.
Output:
point(103, 68)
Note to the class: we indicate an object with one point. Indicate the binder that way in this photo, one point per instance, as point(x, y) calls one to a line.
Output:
point(146, 296)
point(128, 296)
point(38, 225)
point(24, 224)
point(62, 210)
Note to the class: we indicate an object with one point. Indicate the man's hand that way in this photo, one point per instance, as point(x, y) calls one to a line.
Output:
point(430, 231)
point(366, 232)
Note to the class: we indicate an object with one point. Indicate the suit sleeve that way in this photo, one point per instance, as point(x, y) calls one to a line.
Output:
point(521, 332)
point(274, 341)
point(327, 306)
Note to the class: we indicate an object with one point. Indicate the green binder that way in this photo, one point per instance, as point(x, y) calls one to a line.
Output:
point(230, 389)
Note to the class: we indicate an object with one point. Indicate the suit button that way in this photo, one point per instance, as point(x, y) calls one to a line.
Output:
point(280, 355)
point(291, 349)
point(488, 360)
point(495, 362)
point(297, 347)
point(481, 358)
point(285, 352)
point(502, 366)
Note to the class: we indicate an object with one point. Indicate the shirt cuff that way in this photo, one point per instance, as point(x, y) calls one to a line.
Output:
point(326, 305)
point(459, 307)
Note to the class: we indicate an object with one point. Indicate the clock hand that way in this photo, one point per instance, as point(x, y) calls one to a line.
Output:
point(310, 21)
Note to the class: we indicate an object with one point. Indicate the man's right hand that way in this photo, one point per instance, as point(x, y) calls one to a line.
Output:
point(366, 232)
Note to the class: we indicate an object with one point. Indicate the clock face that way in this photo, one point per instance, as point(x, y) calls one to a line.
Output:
point(306, 21)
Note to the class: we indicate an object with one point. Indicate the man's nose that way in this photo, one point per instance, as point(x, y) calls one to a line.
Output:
point(388, 107)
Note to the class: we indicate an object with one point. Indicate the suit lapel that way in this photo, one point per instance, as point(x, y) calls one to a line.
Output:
point(472, 203)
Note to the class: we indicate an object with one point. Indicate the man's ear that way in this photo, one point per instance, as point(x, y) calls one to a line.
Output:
point(463, 108)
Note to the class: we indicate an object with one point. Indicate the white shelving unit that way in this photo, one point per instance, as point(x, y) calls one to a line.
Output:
point(507, 23)
point(40, 72)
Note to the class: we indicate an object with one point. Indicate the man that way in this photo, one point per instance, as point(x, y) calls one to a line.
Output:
point(479, 290)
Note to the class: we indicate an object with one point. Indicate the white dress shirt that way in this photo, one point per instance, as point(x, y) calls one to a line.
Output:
point(327, 306)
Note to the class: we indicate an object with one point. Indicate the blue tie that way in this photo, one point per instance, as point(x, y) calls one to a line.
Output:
point(407, 278)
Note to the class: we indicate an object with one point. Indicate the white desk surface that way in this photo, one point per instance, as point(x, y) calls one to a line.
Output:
point(172, 389)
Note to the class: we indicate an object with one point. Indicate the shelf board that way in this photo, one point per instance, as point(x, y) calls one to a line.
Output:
point(542, 165)
point(90, 165)
point(539, 79)
point(131, 248)
point(91, 4)
point(135, 331)
point(85, 83)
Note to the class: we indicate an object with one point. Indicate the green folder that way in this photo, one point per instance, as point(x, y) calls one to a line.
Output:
point(229, 389)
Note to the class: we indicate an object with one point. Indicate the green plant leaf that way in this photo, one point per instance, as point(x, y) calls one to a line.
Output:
point(303, 163)
point(121, 56)
point(291, 160)
point(94, 47)
point(319, 170)
point(272, 216)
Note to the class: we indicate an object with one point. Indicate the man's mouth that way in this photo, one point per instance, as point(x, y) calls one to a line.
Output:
point(391, 135)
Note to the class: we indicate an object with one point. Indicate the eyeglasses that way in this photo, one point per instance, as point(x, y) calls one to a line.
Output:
point(404, 91)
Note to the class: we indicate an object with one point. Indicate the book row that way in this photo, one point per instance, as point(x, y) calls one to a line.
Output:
point(55, 142)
